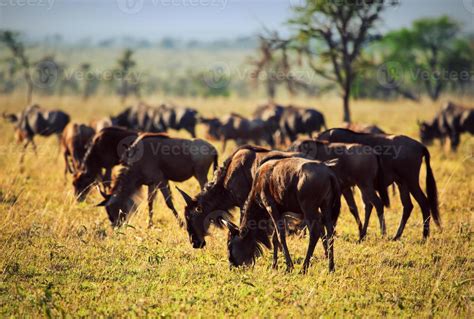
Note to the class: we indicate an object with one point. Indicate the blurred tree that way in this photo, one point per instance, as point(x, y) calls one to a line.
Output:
point(273, 66)
point(125, 66)
point(90, 81)
point(334, 32)
point(430, 52)
point(12, 41)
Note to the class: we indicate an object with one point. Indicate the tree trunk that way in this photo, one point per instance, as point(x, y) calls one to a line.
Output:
point(347, 111)
point(29, 88)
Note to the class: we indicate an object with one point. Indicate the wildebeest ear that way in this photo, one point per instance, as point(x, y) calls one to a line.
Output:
point(189, 201)
point(233, 229)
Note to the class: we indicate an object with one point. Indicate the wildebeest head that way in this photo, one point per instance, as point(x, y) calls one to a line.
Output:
point(11, 118)
point(428, 132)
point(195, 221)
point(199, 218)
point(117, 208)
point(242, 246)
point(82, 181)
point(213, 127)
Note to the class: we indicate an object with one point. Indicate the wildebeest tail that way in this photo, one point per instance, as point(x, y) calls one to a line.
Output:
point(336, 199)
point(431, 189)
point(380, 183)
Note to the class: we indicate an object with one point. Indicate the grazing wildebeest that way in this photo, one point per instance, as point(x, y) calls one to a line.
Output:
point(153, 160)
point(146, 118)
point(296, 120)
point(236, 127)
point(363, 128)
point(229, 189)
point(450, 122)
point(74, 142)
point(308, 189)
point(103, 153)
point(36, 121)
point(176, 118)
point(401, 160)
point(358, 165)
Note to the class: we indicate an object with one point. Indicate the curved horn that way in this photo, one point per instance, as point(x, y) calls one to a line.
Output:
point(187, 198)
point(102, 192)
point(233, 229)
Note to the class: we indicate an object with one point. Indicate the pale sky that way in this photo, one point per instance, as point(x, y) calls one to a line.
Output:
point(188, 19)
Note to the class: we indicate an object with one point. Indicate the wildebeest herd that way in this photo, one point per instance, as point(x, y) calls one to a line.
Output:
point(288, 185)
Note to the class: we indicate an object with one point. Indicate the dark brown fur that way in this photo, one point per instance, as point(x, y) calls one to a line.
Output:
point(103, 153)
point(229, 189)
point(153, 160)
point(358, 165)
point(401, 160)
point(308, 189)
point(74, 142)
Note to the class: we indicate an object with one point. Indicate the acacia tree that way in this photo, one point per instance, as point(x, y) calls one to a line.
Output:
point(335, 32)
point(273, 63)
point(428, 52)
point(125, 65)
point(12, 42)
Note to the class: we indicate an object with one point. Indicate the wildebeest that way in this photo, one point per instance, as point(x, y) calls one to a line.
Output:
point(103, 153)
point(236, 127)
point(74, 142)
point(401, 160)
point(153, 160)
point(37, 121)
point(306, 188)
point(229, 189)
point(270, 113)
point(176, 118)
point(358, 165)
point(363, 128)
point(146, 118)
point(450, 122)
point(297, 120)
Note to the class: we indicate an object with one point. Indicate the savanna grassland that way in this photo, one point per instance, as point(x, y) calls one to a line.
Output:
point(61, 258)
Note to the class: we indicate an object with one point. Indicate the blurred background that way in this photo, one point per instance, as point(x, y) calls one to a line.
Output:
point(229, 48)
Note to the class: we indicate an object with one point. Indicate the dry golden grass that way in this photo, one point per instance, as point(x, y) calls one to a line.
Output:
point(58, 257)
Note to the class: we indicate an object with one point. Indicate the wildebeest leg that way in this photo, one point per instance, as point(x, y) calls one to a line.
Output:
point(371, 198)
point(368, 211)
point(67, 167)
point(276, 245)
point(279, 221)
point(349, 197)
point(224, 142)
point(313, 221)
point(23, 151)
point(425, 208)
point(34, 147)
point(201, 176)
point(165, 190)
point(191, 131)
point(326, 211)
point(152, 191)
point(407, 208)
